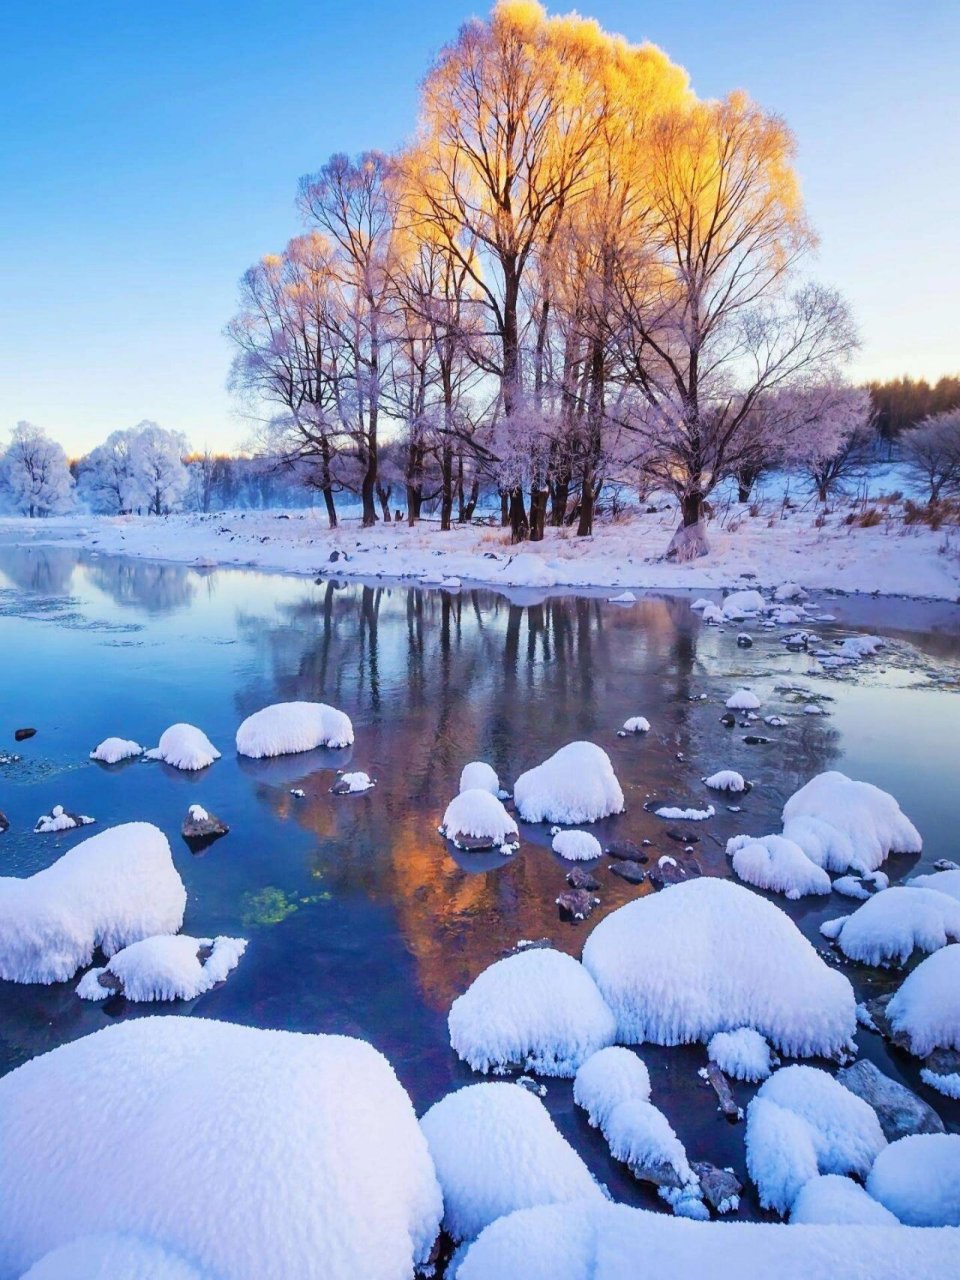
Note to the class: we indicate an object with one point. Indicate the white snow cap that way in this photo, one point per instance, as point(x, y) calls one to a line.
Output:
point(108, 891)
point(778, 864)
point(742, 1054)
point(726, 780)
point(285, 728)
point(831, 1199)
point(607, 1078)
point(803, 1122)
point(639, 1134)
point(927, 1007)
point(495, 1149)
point(740, 604)
point(577, 846)
point(185, 747)
point(113, 750)
point(479, 776)
point(673, 812)
point(112, 1257)
point(166, 968)
point(742, 962)
point(576, 784)
point(789, 591)
point(943, 881)
point(743, 700)
point(174, 1128)
point(887, 927)
point(845, 825)
point(538, 1010)
point(479, 815)
point(356, 782)
point(636, 724)
point(59, 820)
point(918, 1179)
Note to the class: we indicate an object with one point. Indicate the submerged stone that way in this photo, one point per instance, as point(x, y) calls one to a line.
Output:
point(898, 1108)
point(576, 904)
point(632, 872)
point(579, 878)
point(720, 1187)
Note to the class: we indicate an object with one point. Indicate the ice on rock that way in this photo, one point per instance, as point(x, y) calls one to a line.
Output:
point(926, 1009)
point(726, 780)
point(109, 891)
point(287, 728)
point(943, 881)
point(479, 776)
point(478, 819)
point(918, 1180)
point(843, 825)
point(743, 700)
point(833, 1200)
point(861, 887)
point(250, 1152)
point(887, 928)
point(164, 968)
point(778, 864)
point(741, 604)
point(112, 1257)
point(184, 746)
point(538, 1010)
point(577, 846)
point(803, 1122)
point(59, 820)
point(742, 1054)
point(676, 814)
point(113, 750)
point(495, 1149)
point(576, 784)
point(635, 724)
point(607, 1078)
point(742, 962)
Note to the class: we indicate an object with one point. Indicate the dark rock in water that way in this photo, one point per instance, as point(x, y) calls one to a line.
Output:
point(626, 851)
point(683, 837)
point(728, 720)
point(744, 641)
point(578, 878)
point(21, 735)
point(475, 844)
point(943, 1062)
point(877, 1009)
point(109, 981)
point(755, 740)
point(204, 953)
point(200, 828)
point(529, 944)
point(4, 822)
point(576, 904)
point(668, 871)
point(629, 871)
point(532, 1086)
point(721, 1087)
point(334, 556)
point(659, 1172)
point(721, 1187)
point(898, 1108)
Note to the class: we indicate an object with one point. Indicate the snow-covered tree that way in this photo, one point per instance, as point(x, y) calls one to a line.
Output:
point(932, 451)
point(827, 434)
point(161, 475)
point(35, 472)
point(108, 479)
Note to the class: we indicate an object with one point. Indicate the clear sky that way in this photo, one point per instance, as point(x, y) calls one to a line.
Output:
point(149, 152)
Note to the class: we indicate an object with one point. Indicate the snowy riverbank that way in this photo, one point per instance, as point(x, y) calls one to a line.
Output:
point(774, 546)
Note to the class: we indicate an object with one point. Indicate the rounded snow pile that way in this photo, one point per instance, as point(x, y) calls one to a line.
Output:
point(607, 1078)
point(577, 846)
point(478, 815)
point(479, 776)
point(711, 956)
point(286, 728)
point(165, 968)
point(184, 746)
point(843, 825)
point(927, 1007)
point(778, 864)
point(108, 891)
point(576, 784)
point(887, 928)
point(176, 1128)
point(833, 1200)
point(943, 881)
point(636, 724)
point(113, 750)
point(495, 1149)
point(112, 1257)
point(741, 604)
point(538, 1011)
point(918, 1179)
point(743, 700)
point(742, 1054)
point(726, 780)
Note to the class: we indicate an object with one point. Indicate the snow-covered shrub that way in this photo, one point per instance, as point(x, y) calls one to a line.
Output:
point(113, 750)
point(476, 815)
point(926, 1009)
point(185, 747)
point(918, 1179)
point(538, 1010)
point(59, 820)
point(286, 728)
point(112, 1257)
point(164, 968)
point(113, 889)
point(479, 776)
point(743, 700)
point(711, 956)
point(252, 1153)
point(577, 846)
point(495, 1149)
point(607, 1078)
point(778, 864)
point(843, 825)
point(576, 784)
point(726, 780)
point(831, 1199)
point(887, 928)
point(742, 1054)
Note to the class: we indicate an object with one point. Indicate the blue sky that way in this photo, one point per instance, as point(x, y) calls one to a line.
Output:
point(150, 152)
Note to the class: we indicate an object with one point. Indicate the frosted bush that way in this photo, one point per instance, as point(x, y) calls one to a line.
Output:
point(777, 864)
point(286, 728)
point(184, 747)
point(843, 825)
point(576, 784)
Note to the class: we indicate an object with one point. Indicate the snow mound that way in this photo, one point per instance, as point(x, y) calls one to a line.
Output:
point(59, 820)
point(857, 647)
point(607, 1078)
point(926, 1009)
point(476, 815)
point(743, 700)
point(713, 614)
point(185, 747)
point(113, 750)
point(778, 864)
point(640, 1135)
point(479, 776)
point(789, 591)
point(625, 597)
point(701, 603)
point(833, 1200)
point(111, 1257)
point(861, 887)
point(887, 927)
point(576, 784)
point(943, 881)
point(577, 846)
point(352, 784)
point(285, 728)
point(538, 1010)
point(742, 962)
point(742, 1054)
point(110, 890)
point(948, 1084)
point(164, 968)
point(495, 1149)
point(803, 1122)
point(741, 604)
point(918, 1179)
point(843, 825)
point(670, 811)
point(726, 780)
point(176, 1128)
point(636, 724)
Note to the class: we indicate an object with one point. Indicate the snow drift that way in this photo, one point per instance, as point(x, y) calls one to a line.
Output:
point(289, 727)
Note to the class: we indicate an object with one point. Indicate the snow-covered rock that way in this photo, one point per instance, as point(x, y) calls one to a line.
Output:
point(943, 881)
point(538, 1010)
point(495, 1149)
point(898, 1108)
point(479, 776)
point(676, 813)
point(286, 728)
point(635, 724)
point(861, 887)
point(789, 591)
point(926, 1009)
point(778, 864)
point(713, 614)
point(353, 784)
point(252, 1153)
point(641, 1136)
point(843, 825)
point(887, 928)
point(477, 819)
point(113, 750)
point(184, 746)
point(726, 780)
point(742, 604)
point(112, 1257)
point(577, 846)
point(918, 1179)
point(164, 968)
point(109, 891)
point(857, 647)
point(742, 962)
point(832, 1199)
point(59, 820)
point(742, 1054)
point(576, 784)
point(743, 700)
point(607, 1078)
point(625, 597)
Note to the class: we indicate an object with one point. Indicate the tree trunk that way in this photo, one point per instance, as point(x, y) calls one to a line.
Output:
point(588, 506)
point(461, 502)
point(384, 496)
point(471, 503)
point(504, 509)
point(519, 524)
point(330, 505)
point(691, 507)
point(446, 487)
point(538, 513)
point(559, 497)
